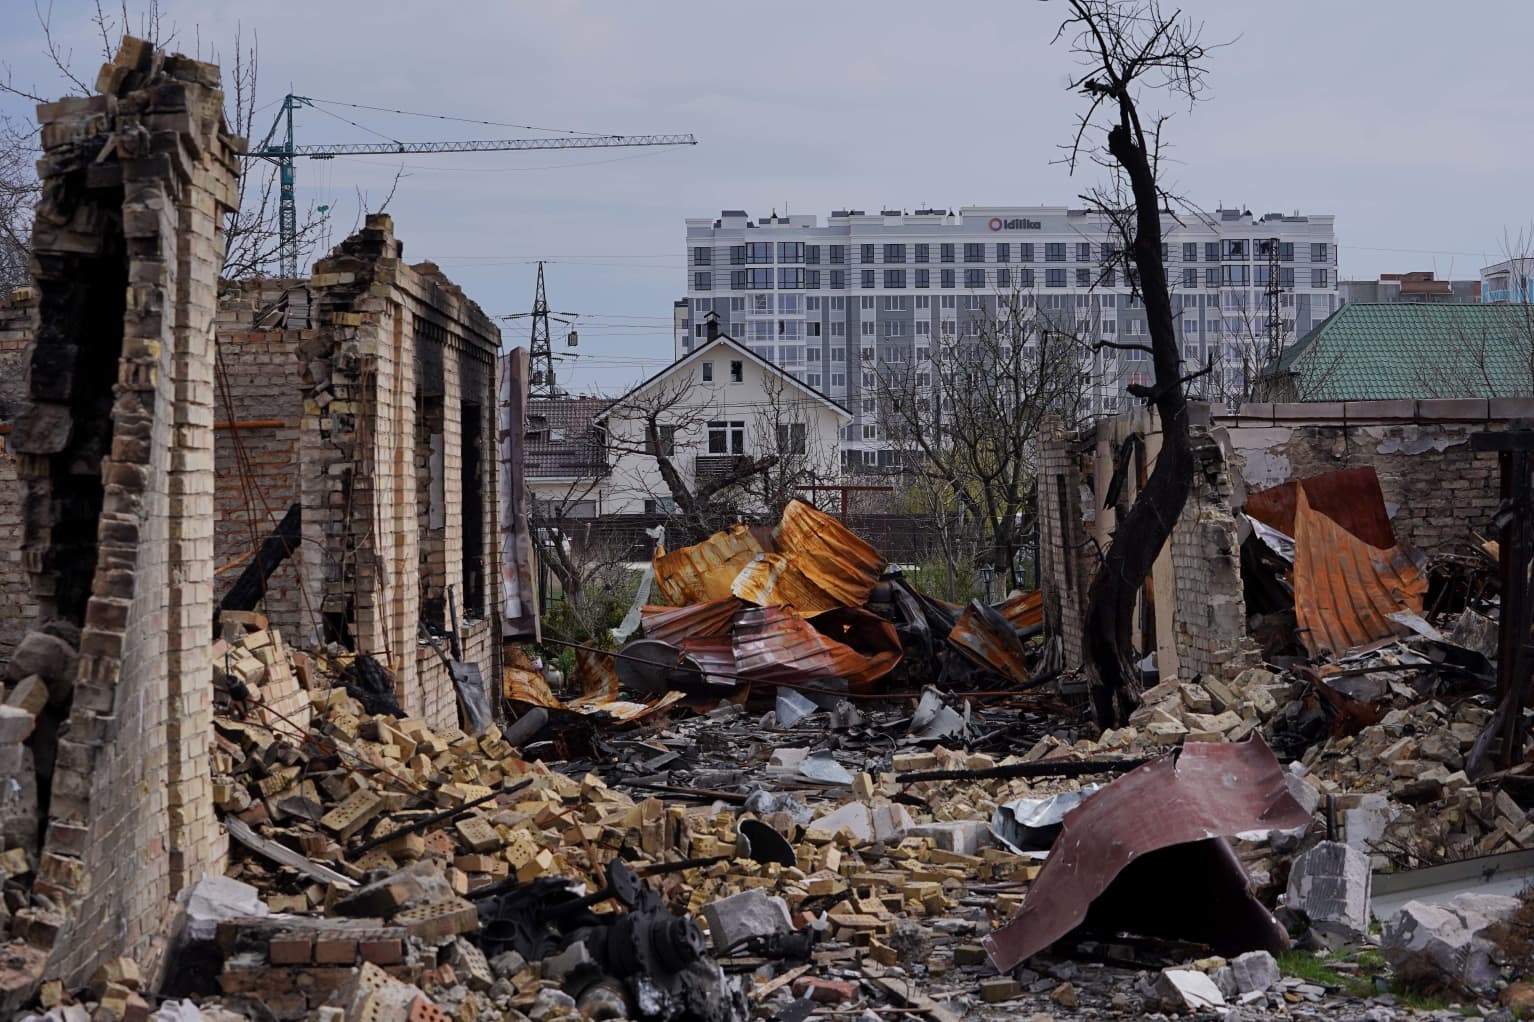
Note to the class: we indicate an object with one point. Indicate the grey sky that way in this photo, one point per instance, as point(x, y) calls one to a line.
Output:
point(1403, 118)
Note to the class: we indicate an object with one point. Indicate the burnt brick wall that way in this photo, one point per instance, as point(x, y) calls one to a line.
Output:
point(114, 447)
point(1208, 608)
point(1066, 558)
point(17, 323)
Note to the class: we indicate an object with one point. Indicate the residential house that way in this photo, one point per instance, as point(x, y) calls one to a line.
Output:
point(1415, 286)
point(1510, 281)
point(565, 456)
point(1376, 352)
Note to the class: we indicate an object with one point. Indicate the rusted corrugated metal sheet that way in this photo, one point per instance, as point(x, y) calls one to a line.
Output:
point(830, 555)
point(1146, 854)
point(772, 644)
point(1344, 588)
point(705, 571)
point(986, 637)
point(715, 657)
point(780, 580)
point(674, 625)
point(1351, 497)
point(596, 673)
point(1023, 610)
point(528, 687)
point(866, 634)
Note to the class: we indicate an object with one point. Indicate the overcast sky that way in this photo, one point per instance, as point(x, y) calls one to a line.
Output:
point(1404, 118)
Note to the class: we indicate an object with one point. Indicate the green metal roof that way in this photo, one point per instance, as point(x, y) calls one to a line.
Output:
point(1389, 351)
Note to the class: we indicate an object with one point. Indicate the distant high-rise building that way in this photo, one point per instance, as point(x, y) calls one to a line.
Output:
point(1415, 287)
point(825, 300)
point(1511, 280)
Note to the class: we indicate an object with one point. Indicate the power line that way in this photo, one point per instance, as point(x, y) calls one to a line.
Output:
point(462, 120)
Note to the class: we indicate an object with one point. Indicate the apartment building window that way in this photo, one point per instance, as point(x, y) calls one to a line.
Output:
point(838, 254)
point(702, 256)
point(1190, 276)
point(1003, 277)
point(1110, 326)
point(1025, 252)
point(1260, 275)
point(866, 302)
point(1235, 248)
point(949, 301)
point(1083, 278)
point(1286, 251)
point(1083, 251)
point(1211, 251)
point(974, 253)
point(812, 329)
point(868, 376)
point(737, 305)
point(1054, 278)
point(894, 279)
point(761, 304)
point(1190, 251)
point(974, 279)
point(923, 327)
point(1211, 276)
point(737, 280)
point(789, 277)
point(1286, 276)
point(838, 280)
point(924, 301)
point(1025, 277)
point(790, 251)
point(945, 252)
point(1110, 301)
point(839, 381)
point(757, 280)
point(838, 329)
point(870, 433)
point(924, 354)
point(895, 303)
point(812, 255)
point(759, 252)
point(923, 278)
point(702, 281)
point(894, 253)
point(868, 327)
point(812, 353)
point(894, 328)
point(1318, 278)
point(838, 303)
point(870, 278)
point(737, 371)
point(948, 278)
point(812, 279)
point(1054, 252)
point(708, 372)
point(972, 303)
point(949, 326)
point(726, 437)
point(1234, 275)
point(923, 253)
point(813, 379)
point(865, 253)
point(838, 354)
point(737, 255)
point(1003, 252)
point(1318, 252)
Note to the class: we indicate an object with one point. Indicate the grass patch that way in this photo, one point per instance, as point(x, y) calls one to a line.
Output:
point(1353, 972)
point(1322, 972)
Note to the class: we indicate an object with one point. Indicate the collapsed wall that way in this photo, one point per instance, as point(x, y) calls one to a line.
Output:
point(1192, 612)
point(114, 453)
point(17, 315)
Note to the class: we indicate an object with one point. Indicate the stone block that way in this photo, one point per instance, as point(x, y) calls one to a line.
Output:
point(855, 817)
point(751, 913)
point(1330, 883)
point(1254, 972)
point(16, 725)
point(1188, 990)
point(1476, 409)
point(1447, 944)
point(964, 837)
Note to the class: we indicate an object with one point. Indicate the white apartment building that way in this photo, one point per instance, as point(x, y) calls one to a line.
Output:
point(822, 301)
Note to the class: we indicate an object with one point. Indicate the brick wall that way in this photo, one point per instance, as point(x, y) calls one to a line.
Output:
point(17, 315)
point(1208, 609)
point(1067, 559)
point(115, 456)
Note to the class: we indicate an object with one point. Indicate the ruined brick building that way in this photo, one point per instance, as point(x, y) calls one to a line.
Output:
point(145, 460)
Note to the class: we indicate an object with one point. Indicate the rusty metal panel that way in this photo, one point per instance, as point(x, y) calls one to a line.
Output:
point(987, 637)
point(1351, 497)
point(773, 644)
point(1205, 791)
point(528, 687)
point(866, 634)
point(829, 554)
point(596, 673)
point(778, 580)
point(705, 571)
point(1344, 588)
point(1023, 610)
point(675, 625)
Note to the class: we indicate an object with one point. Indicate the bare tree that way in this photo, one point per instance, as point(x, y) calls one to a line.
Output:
point(784, 432)
point(964, 417)
point(18, 194)
point(1128, 47)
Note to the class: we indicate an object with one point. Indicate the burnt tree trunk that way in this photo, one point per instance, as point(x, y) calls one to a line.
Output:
point(250, 587)
point(1139, 535)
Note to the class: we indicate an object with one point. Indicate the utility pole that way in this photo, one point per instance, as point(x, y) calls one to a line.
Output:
point(1275, 315)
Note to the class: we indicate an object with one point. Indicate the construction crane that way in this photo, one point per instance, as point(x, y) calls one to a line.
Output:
point(284, 152)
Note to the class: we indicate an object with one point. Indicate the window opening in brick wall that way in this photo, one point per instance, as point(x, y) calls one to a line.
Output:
point(472, 459)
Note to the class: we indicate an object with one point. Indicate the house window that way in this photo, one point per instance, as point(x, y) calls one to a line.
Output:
point(699, 331)
point(727, 437)
point(702, 256)
point(759, 252)
point(865, 253)
point(1054, 278)
point(894, 279)
point(868, 377)
point(870, 433)
point(974, 279)
point(708, 372)
point(1054, 252)
point(838, 303)
point(653, 506)
point(924, 301)
point(1190, 251)
point(949, 301)
point(869, 278)
point(737, 372)
point(894, 253)
point(1003, 252)
point(667, 441)
point(1318, 252)
point(790, 251)
point(923, 253)
point(945, 252)
point(974, 253)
